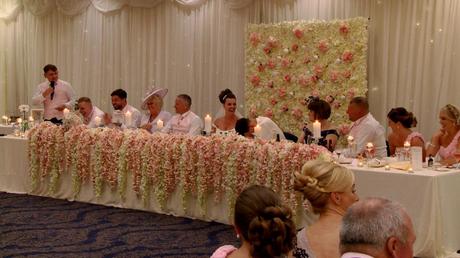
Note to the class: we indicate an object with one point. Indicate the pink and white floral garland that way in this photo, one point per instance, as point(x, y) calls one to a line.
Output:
point(162, 164)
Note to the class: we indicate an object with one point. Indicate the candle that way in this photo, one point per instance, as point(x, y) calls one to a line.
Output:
point(257, 130)
point(350, 138)
point(406, 144)
point(360, 164)
point(19, 120)
point(31, 119)
point(387, 167)
point(66, 113)
point(97, 121)
point(370, 145)
point(159, 124)
point(316, 129)
point(128, 118)
point(207, 124)
point(6, 119)
point(410, 170)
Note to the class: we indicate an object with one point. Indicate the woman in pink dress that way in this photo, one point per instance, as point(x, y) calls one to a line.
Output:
point(263, 224)
point(446, 141)
point(401, 121)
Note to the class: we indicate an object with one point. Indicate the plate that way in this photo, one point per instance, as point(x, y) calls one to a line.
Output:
point(376, 165)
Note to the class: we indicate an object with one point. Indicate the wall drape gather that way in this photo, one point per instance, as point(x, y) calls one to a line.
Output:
point(197, 47)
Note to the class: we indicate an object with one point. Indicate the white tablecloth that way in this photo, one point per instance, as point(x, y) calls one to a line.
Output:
point(430, 197)
point(6, 129)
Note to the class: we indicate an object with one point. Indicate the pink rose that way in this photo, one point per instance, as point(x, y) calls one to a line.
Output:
point(269, 112)
point(306, 60)
point(344, 29)
point(261, 68)
point(273, 101)
point(313, 79)
point(347, 56)
point(270, 84)
point(287, 78)
point(282, 92)
point(267, 50)
point(285, 62)
point(334, 76)
point(285, 108)
point(255, 80)
point(298, 33)
point(351, 93)
point(346, 74)
point(323, 46)
point(297, 113)
point(318, 69)
point(271, 63)
point(295, 47)
point(272, 42)
point(302, 80)
point(254, 38)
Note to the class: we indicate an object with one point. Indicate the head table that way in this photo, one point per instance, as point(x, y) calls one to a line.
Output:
point(431, 197)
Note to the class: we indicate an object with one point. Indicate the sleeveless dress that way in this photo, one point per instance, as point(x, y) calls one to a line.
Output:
point(322, 141)
point(223, 251)
point(415, 135)
point(225, 132)
point(302, 248)
point(448, 152)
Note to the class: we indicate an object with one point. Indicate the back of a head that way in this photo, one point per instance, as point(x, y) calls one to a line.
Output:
point(369, 223)
point(400, 114)
point(319, 178)
point(321, 108)
point(122, 94)
point(242, 126)
point(264, 222)
point(226, 94)
point(361, 102)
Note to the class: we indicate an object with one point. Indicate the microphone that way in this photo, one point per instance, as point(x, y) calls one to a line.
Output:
point(52, 85)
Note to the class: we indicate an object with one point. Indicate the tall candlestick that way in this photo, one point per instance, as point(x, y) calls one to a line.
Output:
point(128, 119)
point(66, 112)
point(97, 121)
point(159, 124)
point(316, 129)
point(207, 124)
point(257, 130)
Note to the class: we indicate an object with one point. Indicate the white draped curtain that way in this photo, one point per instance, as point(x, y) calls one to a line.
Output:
point(197, 47)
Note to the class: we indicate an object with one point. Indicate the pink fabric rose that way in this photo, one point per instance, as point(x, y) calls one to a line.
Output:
point(306, 60)
point(298, 33)
point(318, 69)
point(285, 108)
point(323, 46)
point(344, 29)
point(273, 101)
point(271, 63)
point(351, 93)
point(287, 78)
point(270, 84)
point(282, 92)
point(285, 62)
point(295, 47)
point(254, 38)
point(255, 80)
point(261, 68)
point(347, 56)
point(303, 81)
point(334, 76)
point(346, 74)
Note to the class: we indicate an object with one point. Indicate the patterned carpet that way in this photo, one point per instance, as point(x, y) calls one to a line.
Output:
point(32, 226)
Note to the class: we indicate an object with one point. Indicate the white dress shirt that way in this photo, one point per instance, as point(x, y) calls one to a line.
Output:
point(367, 129)
point(63, 94)
point(163, 115)
point(187, 123)
point(135, 116)
point(355, 255)
point(269, 129)
point(90, 120)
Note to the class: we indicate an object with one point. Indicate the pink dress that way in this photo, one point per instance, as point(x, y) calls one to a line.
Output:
point(415, 135)
point(448, 152)
point(223, 251)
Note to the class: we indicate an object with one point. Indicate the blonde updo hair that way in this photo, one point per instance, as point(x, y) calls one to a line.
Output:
point(452, 112)
point(320, 178)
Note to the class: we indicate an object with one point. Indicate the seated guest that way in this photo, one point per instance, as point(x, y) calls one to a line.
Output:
point(320, 110)
point(245, 127)
point(185, 121)
point(226, 123)
point(365, 128)
point(121, 107)
point(400, 121)
point(446, 141)
point(330, 190)
point(89, 112)
point(376, 227)
point(263, 224)
point(153, 102)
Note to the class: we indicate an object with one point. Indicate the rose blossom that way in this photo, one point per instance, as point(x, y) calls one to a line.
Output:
point(282, 92)
point(254, 38)
point(344, 29)
point(285, 108)
point(298, 33)
point(255, 80)
point(295, 47)
point(347, 56)
point(287, 78)
point(323, 46)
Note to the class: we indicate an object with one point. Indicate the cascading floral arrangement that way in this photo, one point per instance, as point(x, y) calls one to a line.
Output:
point(286, 63)
point(161, 164)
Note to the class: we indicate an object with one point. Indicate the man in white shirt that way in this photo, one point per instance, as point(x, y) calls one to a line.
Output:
point(376, 227)
point(54, 94)
point(185, 121)
point(269, 130)
point(92, 115)
point(365, 129)
point(130, 116)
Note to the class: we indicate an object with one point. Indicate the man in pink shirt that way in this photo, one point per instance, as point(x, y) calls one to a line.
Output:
point(54, 94)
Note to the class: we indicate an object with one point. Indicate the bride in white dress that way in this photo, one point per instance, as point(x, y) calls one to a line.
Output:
point(225, 124)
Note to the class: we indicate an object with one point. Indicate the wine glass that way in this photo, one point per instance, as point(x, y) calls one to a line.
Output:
point(369, 151)
point(457, 157)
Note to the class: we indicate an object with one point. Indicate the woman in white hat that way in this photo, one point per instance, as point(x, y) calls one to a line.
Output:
point(155, 118)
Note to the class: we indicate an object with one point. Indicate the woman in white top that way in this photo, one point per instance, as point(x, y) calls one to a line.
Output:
point(226, 124)
point(330, 190)
point(153, 102)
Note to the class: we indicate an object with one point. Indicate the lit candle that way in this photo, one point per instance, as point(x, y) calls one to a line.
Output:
point(207, 124)
point(97, 121)
point(360, 164)
point(387, 167)
point(316, 129)
point(410, 170)
point(19, 120)
point(5, 118)
point(128, 118)
point(66, 113)
point(406, 144)
point(159, 124)
point(257, 130)
point(31, 119)
point(350, 138)
point(370, 145)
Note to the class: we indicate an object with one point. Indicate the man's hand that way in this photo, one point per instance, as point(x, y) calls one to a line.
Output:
point(60, 107)
point(47, 92)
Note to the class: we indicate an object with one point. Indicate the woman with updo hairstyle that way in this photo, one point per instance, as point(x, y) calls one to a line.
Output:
point(263, 225)
point(446, 142)
point(401, 121)
point(226, 123)
point(328, 189)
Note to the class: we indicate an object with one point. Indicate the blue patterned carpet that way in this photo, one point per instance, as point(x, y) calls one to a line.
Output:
point(32, 226)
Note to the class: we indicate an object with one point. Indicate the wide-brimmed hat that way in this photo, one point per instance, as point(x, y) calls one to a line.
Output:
point(153, 91)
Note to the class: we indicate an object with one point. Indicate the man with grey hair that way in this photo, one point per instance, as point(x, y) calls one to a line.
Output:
point(185, 121)
point(376, 227)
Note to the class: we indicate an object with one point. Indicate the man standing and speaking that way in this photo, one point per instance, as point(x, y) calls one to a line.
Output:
point(55, 95)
